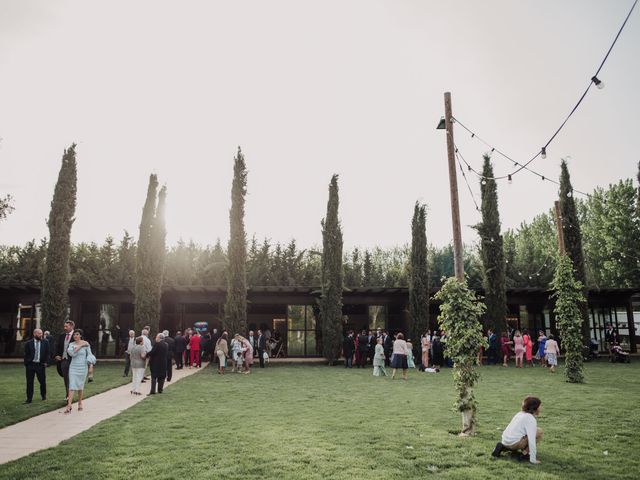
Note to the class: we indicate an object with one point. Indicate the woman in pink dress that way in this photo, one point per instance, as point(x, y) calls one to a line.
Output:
point(528, 348)
point(518, 344)
point(247, 350)
point(426, 345)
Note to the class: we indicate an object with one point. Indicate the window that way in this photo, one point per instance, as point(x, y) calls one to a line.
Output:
point(377, 317)
point(301, 331)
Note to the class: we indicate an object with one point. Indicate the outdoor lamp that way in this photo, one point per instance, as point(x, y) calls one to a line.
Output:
point(599, 83)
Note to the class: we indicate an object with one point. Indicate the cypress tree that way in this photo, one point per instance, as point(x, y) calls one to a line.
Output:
point(332, 277)
point(55, 284)
point(157, 260)
point(573, 239)
point(145, 298)
point(236, 304)
point(491, 252)
point(569, 300)
point(638, 203)
point(418, 275)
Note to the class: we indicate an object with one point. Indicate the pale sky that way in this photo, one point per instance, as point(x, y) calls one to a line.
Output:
point(307, 89)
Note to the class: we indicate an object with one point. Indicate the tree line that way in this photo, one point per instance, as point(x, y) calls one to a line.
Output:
point(609, 218)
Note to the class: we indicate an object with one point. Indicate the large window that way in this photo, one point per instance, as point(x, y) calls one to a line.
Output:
point(377, 317)
point(301, 331)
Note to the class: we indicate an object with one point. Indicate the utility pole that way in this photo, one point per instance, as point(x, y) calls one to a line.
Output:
point(559, 228)
point(453, 187)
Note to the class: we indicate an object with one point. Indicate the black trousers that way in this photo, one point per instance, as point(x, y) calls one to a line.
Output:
point(64, 366)
point(36, 370)
point(160, 382)
point(127, 364)
point(261, 357)
point(169, 367)
point(179, 360)
point(363, 358)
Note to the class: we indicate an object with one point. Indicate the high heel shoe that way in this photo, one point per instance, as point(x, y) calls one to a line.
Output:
point(67, 410)
point(80, 408)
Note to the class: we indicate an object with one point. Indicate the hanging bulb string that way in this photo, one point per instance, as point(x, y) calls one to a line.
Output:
point(509, 176)
point(594, 81)
point(464, 175)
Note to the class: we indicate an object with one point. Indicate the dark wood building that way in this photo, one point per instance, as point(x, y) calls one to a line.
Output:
point(290, 313)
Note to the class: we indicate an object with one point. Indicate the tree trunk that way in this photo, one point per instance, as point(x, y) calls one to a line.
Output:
point(468, 417)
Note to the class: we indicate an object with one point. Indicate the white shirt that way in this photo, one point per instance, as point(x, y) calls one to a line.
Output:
point(131, 344)
point(146, 343)
point(36, 348)
point(522, 424)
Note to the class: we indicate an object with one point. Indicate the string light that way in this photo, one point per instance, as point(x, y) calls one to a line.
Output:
point(543, 152)
point(599, 83)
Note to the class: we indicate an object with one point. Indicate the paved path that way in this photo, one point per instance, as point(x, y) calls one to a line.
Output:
point(49, 429)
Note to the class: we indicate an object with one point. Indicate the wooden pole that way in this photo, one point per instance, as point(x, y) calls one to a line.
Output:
point(559, 228)
point(453, 187)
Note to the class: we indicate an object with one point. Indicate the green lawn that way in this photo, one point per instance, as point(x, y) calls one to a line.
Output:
point(13, 389)
point(316, 422)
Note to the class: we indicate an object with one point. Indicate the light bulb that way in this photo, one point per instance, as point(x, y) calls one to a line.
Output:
point(483, 182)
point(543, 152)
point(599, 83)
point(509, 179)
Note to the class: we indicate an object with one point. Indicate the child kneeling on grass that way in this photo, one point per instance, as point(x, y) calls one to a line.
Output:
point(522, 434)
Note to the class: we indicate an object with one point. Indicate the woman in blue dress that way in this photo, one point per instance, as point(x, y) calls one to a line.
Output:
point(79, 350)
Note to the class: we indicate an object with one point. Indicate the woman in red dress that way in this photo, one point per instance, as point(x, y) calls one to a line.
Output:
point(194, 344)
point(528, 348)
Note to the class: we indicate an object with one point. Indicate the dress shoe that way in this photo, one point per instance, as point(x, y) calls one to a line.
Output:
point(26, 401)
point(44, 398)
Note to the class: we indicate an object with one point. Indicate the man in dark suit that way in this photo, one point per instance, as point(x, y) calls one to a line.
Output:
point(158, 363)
point(348, 347)
point(261, 343)
point(36, 355)
point(363, 349)
point(171, 350)
point(179, 345)
point(387, 345)
point(61, 353)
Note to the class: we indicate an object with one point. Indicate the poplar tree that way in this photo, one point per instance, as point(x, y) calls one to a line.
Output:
point(332, 277)
point(491, 252)
point(573, 239)
point(236, 304)
point(55, 283)
point(145, 298)
point(418, 275)
point(157, 260)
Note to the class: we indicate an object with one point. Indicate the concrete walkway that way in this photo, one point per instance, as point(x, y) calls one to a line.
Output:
point(49, 429)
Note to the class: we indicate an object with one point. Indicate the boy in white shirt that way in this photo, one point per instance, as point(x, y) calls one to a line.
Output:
point(522, 433)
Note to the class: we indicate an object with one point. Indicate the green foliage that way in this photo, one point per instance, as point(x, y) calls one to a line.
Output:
point(530, 253)
point(573, 238)
point(418, 276)
point(611, 229)
point(56, 276)
point(332, 277)
point(491, 252)
point(459, 313)
point(236, 305)
point(569, 300)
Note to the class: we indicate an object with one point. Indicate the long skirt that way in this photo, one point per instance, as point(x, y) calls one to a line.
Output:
point(138, 374)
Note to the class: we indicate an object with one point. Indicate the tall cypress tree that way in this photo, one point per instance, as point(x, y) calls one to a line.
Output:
point(419, 275)
point(573, 240)
point(145, 310)
point(638, 203)
point(55, 284)
point(332, 277)
point(236, 304)
point(157, 259)
point(491, 252)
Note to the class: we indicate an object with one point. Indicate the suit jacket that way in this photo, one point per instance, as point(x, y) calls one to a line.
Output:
point(158, 359)
point(60, 344)
point(348, 346)
point(30, 351)
point(363, 343)
point(261, 342)
point(180, 344)
point(171, 343)
point(388, 343)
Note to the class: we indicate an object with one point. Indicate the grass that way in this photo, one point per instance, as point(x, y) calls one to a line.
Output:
point(13, 385)
point(316, 422)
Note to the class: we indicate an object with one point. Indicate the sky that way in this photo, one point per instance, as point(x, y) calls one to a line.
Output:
point(307, 89)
